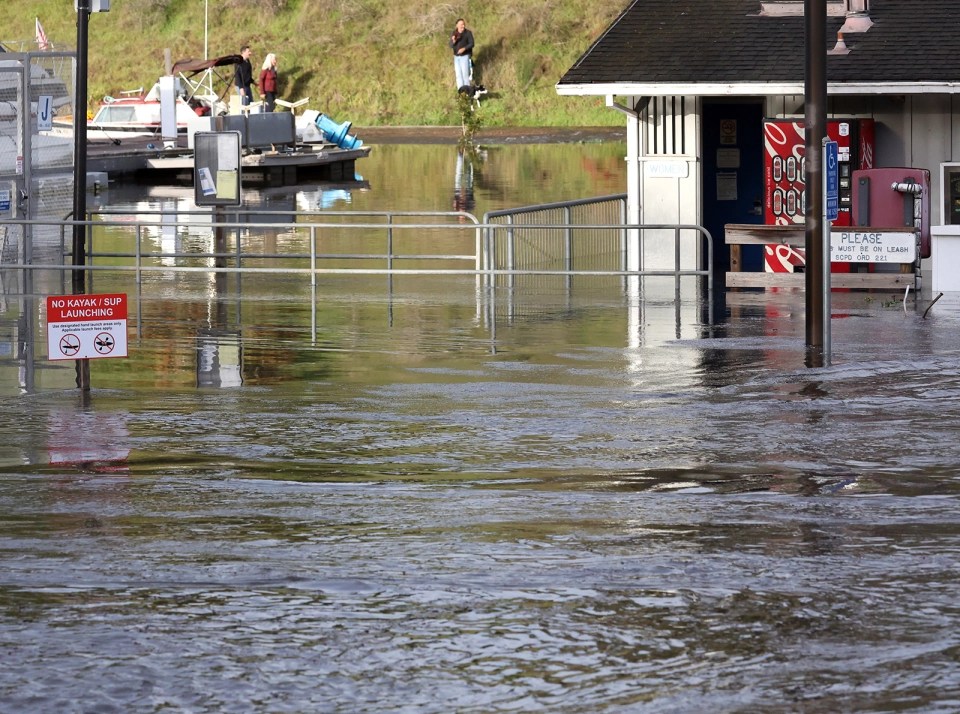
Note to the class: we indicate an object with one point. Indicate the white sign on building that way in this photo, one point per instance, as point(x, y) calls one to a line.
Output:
point(869, 246)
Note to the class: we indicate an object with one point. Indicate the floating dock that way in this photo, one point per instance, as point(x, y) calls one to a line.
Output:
point(148, 161)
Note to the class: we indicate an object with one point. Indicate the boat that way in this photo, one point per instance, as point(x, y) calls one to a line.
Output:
point(135, 114)
point(138, 114)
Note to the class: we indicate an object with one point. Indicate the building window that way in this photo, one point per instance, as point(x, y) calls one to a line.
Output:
point(664, 122)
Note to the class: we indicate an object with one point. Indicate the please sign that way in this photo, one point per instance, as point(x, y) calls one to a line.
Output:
point(867, 246)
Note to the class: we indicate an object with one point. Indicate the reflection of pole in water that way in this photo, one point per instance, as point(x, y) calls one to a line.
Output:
point(219, 351)
point(463, 184)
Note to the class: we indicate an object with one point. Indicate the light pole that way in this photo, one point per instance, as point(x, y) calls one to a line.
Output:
point(80, 148)
point(815, 129)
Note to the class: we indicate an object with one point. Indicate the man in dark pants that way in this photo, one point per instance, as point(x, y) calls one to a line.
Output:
point(244, 77)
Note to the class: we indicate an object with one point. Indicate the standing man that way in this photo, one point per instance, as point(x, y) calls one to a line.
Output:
point(244, 77)
point(462, 43)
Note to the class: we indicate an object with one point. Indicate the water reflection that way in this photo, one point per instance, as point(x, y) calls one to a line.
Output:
point(463, 199)
point(219, 358)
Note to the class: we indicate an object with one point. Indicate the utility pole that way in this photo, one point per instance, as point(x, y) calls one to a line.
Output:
point(815, 130)
point(80, 148)
point(80, 172)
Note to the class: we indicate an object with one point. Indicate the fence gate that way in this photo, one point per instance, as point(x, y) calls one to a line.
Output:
point(13, 157)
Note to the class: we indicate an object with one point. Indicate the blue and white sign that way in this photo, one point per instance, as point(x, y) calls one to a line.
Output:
point(44, 112)
point(8, 200)
point(831, 175)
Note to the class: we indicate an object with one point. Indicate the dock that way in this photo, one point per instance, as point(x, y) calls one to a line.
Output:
point(147, 161)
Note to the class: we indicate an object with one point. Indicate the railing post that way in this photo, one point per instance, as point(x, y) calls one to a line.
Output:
point(478, 249)
point(567, 239)
point(389, 241)
point(88, 249)
point(138, 259)
point(676, 255)
point(622, 203)
point(709, 239)
point(676, 267)
point(511, 250)
point(313, 256)
point(490, 257)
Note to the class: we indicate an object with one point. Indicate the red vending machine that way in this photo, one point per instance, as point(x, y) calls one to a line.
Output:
point(784, 176)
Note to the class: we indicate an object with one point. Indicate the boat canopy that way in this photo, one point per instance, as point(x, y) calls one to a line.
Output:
point(196, 66)
point(201, 89)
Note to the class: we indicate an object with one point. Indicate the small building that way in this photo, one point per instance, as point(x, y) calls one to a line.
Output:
point(696, 80)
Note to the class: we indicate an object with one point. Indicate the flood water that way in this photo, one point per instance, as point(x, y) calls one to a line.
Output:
point(593, 502)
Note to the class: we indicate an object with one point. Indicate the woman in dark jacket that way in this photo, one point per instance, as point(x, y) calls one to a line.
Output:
point(268, 82)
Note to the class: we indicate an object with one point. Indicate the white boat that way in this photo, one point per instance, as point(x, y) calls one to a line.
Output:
point(135, 114)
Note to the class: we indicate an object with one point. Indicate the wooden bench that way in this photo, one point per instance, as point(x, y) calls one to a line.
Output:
point(737, 235)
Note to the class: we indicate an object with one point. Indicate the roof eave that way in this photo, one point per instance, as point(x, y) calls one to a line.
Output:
point(750, 89)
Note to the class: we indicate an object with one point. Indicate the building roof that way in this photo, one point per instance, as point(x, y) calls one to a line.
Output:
point(727, 47)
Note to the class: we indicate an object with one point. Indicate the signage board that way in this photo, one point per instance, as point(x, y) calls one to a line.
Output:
point(86, 326)
point(831, 166)
point(666, 168)
point(862, 245)
point(216, 168)
point(7, 204)
point(45, 112)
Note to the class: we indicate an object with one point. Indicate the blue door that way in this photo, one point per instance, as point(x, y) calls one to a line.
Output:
point(732, 175)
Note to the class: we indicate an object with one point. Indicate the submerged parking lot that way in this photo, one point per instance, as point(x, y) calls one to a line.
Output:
point(576, 500)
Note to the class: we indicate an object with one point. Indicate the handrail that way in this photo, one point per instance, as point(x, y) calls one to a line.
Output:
point(484, 257)
point(281, 212)
point(550, 206)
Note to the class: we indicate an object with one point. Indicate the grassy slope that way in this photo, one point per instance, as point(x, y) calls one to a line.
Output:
point(370, 61)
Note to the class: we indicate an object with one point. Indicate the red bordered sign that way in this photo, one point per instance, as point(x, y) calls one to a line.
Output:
point(86, 326)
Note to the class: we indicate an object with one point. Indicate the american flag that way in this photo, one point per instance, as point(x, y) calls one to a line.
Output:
point(42, 42)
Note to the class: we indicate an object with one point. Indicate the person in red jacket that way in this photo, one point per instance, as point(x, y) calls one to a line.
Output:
point(268, 82)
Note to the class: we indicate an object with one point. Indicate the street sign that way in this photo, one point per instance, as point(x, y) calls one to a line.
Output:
point(831, 167)
point(86, 326)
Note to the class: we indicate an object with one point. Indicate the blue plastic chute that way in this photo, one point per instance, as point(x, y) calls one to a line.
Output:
point(337, 133)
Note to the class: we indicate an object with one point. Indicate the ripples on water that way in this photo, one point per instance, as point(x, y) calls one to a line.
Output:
point(587, 509)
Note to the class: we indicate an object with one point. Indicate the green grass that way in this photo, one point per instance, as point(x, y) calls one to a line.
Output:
point(372, 62)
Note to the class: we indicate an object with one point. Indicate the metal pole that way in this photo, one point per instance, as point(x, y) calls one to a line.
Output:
point(815, 126)
point(206, 9)
point(80, 146)
point(825, 268)
point(80, 172)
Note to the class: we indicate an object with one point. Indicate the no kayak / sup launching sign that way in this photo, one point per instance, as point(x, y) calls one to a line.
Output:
point(86, 326)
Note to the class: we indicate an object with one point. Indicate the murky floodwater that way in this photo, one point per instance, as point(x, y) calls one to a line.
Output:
point(434, 496)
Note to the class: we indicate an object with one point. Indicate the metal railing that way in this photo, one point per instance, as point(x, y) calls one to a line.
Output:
point(314, 243)
point(235, 236)
point(358, 243)
point(526, 241)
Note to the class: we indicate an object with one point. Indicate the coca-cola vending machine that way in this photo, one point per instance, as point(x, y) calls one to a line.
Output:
point(784, 176)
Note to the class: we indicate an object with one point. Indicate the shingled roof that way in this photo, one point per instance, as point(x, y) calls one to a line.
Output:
point(726, 47)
